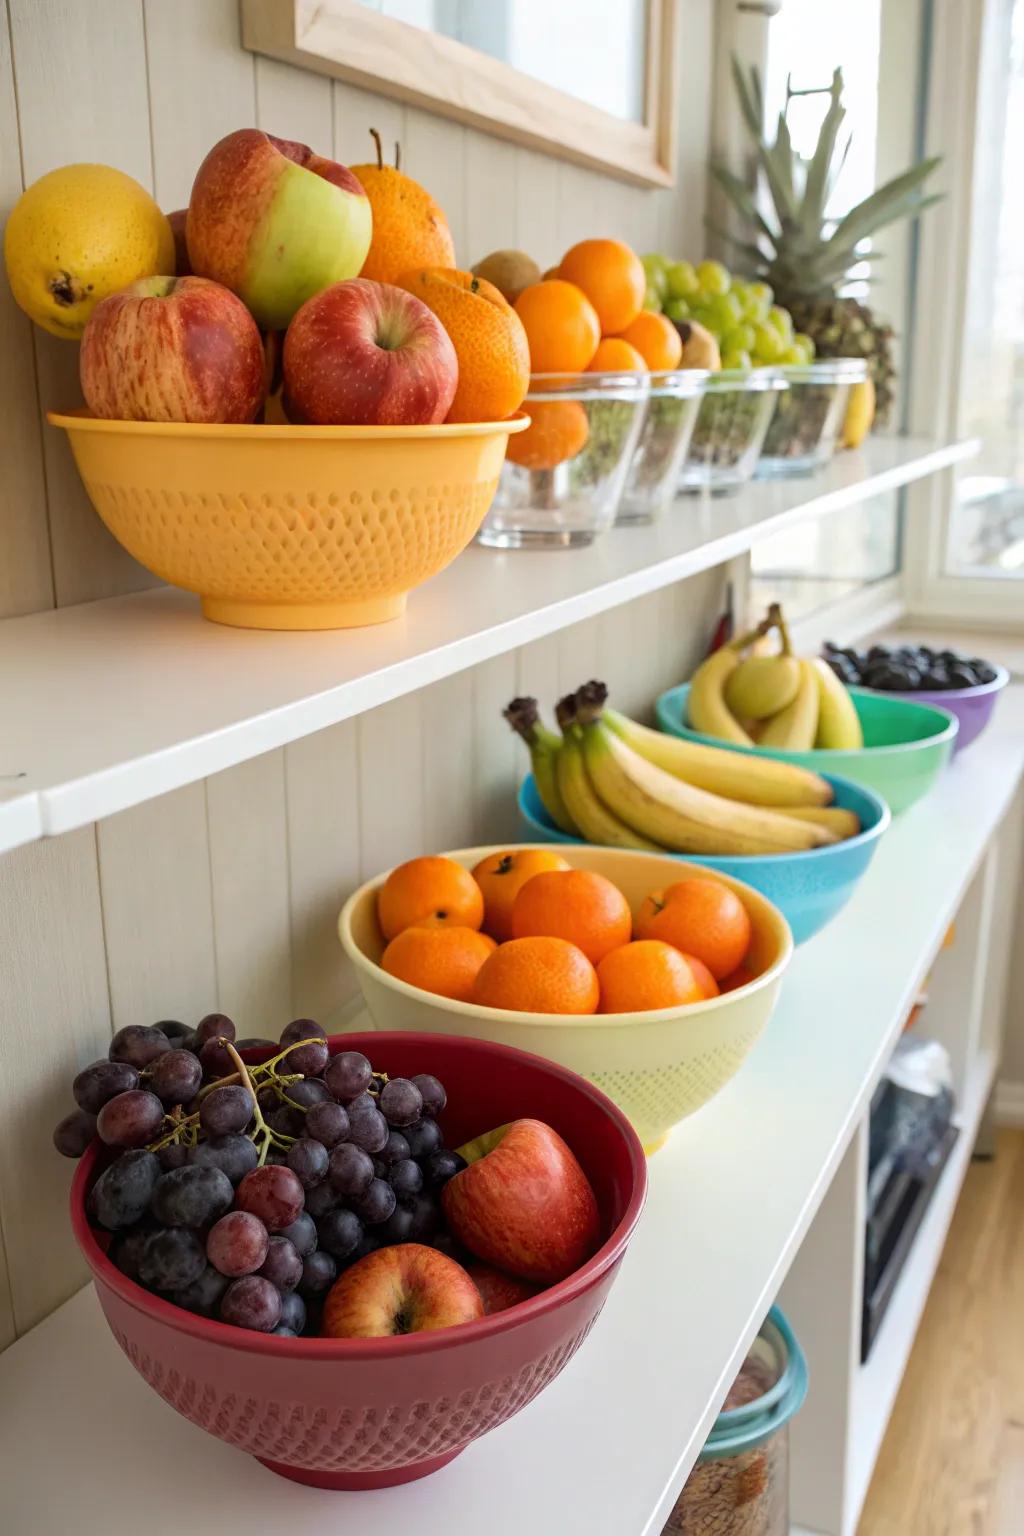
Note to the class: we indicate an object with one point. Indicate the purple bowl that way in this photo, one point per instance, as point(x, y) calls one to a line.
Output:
point(973, 707)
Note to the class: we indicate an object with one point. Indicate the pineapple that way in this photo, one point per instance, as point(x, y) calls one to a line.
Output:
point(805, 257)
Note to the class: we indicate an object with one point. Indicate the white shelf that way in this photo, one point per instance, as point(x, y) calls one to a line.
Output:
point(112, 703)
point(878, 1380)
point(608, 1446)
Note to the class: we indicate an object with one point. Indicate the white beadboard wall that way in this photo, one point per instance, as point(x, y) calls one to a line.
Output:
point(225, 894)
point(149, 86)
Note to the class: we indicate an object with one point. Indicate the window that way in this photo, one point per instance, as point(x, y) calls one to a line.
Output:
point(985, 536)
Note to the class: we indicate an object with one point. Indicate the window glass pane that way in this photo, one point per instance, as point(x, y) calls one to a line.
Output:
point(827, 558)
point(986, 530)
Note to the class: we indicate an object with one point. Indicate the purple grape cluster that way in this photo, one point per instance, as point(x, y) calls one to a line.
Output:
point(241, 1193)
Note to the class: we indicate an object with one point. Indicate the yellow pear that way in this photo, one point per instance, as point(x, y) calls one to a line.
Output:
point(860, 413)
point(700, 349)
point(77, 234)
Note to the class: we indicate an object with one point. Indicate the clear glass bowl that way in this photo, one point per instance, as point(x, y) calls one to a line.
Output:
point(562, 483)
point(808, 419)
point(668, 425)
point(734, 416)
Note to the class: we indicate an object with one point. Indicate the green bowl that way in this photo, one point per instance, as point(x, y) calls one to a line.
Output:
point(906, 745)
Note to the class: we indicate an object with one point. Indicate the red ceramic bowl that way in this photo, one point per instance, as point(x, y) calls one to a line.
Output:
point(368, 1413)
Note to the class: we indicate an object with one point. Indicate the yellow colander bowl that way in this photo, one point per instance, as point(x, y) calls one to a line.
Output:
point(289, 527)
point(658, 1066)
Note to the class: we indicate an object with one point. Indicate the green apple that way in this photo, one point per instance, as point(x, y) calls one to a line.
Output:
point(275, 223)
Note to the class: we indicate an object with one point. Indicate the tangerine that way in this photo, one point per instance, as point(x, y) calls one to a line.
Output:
point(615, 355)
point(558, 430)
point(742, 976)
point(612, 277)
point(561, 326)
point(488, 337)
point(537, 975)
point(501, 876)
point(656, 339)
point(429, 892)
point(409, 227)
point(575, 904)
point(646, 974)
point(703, 975)
point(443, 960)
point(702, 917)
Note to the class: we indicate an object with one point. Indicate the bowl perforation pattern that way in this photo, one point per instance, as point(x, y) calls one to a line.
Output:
point(657, 1100)
point(312, 547)
point(351, 1439)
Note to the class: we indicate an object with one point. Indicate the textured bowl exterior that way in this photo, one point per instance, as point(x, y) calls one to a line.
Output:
point(369, 1413)
point(973, 707)
point(908, 744)
point(280, 527)
point(809, 889)
point(659, 1066)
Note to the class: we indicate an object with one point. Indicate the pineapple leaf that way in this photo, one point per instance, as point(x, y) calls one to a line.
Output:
point(782, 154)
point(741, 198)
point(907, 207)
point(816, 187)
point(833, 180)
point(753, 253)
point(886, 204)
point(749, 97)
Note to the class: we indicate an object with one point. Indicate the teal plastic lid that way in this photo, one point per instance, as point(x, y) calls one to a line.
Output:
point(744, 1428)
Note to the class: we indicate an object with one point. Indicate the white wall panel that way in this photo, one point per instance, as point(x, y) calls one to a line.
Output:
point(249, 883)
point(54, 1020)
point(158, 910)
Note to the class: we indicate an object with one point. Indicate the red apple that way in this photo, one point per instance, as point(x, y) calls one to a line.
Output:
point(405, 1289)
point(275, 223)
point(499, 1291)
point(368, 354)
point(172, 349)
point(182, 265)
point(524, 1203)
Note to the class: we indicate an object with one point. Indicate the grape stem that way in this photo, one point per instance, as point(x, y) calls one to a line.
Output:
point(263, 1136)
point(186, 1128)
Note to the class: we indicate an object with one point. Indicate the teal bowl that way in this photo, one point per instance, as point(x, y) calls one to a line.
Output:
point(808, 888)
point(906, 745)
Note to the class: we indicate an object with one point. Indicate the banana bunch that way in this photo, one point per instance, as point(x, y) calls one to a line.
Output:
point(766, 699)
point(612, 781)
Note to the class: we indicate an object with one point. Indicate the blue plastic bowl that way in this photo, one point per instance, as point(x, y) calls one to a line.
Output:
point(808, 888)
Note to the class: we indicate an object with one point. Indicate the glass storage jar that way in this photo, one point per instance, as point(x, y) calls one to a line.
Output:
point(733, 418)
point(808, 419)
point(562, 483)
point(740, 1485)
point(665, 435)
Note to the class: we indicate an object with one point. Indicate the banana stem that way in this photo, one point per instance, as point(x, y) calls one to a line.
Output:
point(779, 623)
point(742, 641)
point(590, 702)
point(566, 712)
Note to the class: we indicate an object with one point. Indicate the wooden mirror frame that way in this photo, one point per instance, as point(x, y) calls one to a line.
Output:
point(350, 42)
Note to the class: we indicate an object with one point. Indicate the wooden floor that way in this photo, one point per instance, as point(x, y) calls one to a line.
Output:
point(952, 1463)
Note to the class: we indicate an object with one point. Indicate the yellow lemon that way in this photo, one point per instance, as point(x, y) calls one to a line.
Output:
point(76, 235)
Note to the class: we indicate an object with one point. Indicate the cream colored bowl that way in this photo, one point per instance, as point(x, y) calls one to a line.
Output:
point(658, 1066)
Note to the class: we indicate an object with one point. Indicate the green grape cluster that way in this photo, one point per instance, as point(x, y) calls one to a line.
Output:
point(751, 330)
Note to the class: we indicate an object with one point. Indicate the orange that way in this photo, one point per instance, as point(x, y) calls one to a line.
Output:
point(612, 277)
point(656, 339)
point(574, 904)
point(409, 228)
point(702, 917)
point(550, 273)
point(614, 355)
point(537, 975)
point(558, 431)
point(488, 337)
point(561, 326)
point(442, 960)
point(429, 892)
point(501, 876)
point(705, 980)
point(646, 974)
point(740, 977)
